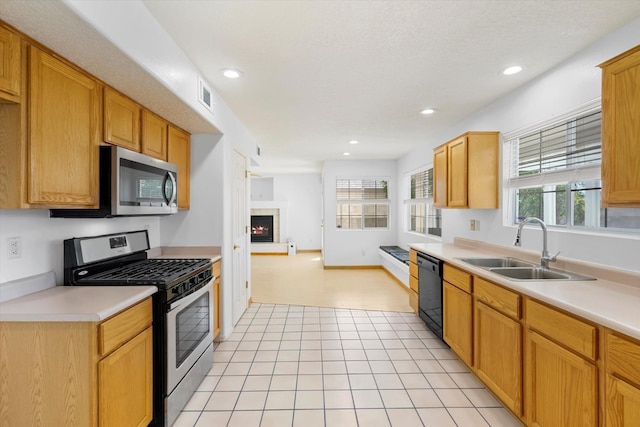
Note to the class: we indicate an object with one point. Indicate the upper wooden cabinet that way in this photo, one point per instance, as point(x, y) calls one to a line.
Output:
point(63, 134)
point(154, 135)
point(10, 57)
point(121, 121)
point(179, 153)
point(621, 130)
point(466, 172)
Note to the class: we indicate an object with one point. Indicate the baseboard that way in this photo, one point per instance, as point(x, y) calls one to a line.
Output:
point(308, 251)
point(269, 253)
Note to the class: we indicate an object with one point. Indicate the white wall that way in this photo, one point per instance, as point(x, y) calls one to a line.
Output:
point(304, 217)
point(261, 189)
point(42, 239)
point(573, 83)
point(356, 247)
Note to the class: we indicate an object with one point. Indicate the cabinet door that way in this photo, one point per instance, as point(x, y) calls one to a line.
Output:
point(154, 135)
point(562, 388)
point(621, 131)
point(125, 383)
point(179, 153)
point(498, 354)
point(9, 63)
point(457, 318)
point(623, 403)
point(64, 107)
point(440, 177)
point(457, 173)
point(121, 120)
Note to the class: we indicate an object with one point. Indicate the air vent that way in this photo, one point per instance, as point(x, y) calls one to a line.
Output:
point(204, 94)
point(258, 150)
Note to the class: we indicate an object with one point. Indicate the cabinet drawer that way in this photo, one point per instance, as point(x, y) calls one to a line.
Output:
point(216, 269)
point(458, 278)
point(499, 298)
point(413, 256)
point(413, 283)
point(120, 328)
point(623, 357)
point(413, 269)
point(564, 329)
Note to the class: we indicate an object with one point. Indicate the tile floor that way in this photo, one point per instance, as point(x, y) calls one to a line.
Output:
point(288, 365)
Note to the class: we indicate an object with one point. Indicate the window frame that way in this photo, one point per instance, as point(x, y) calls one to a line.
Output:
point(566, 176)
point(427, 202)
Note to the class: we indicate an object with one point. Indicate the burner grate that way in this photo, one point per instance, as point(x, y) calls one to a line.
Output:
point(151, 271)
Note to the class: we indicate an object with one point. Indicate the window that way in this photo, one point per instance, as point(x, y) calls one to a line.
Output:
point(362, 203)
point(423, 217)
point(555, 176)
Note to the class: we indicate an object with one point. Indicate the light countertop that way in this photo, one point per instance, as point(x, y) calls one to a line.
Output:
point(614, 304)
point(73, 303)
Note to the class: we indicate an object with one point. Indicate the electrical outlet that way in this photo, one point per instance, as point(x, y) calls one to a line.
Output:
point(14, 247)
point(472, 225)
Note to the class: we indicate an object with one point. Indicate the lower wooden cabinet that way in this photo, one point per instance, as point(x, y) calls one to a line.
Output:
point(622, 383)
point(562, 387)
point(498, 354)
point(57, 374)
point(458, 321)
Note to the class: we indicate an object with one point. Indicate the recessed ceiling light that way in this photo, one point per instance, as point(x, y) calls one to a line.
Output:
point(427, 111)
point(512, 70)
point(353, 142)
point(231, 73)
point(346, 154)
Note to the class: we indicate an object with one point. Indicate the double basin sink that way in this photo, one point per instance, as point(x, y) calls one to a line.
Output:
point(515, 269)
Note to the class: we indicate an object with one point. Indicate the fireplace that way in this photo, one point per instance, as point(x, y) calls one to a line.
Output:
point(262, 228)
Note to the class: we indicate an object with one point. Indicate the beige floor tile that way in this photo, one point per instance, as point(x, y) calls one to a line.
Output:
point(222, 401)
point(275, 419)
point(436, 417)
point(213, 418)
point(245, 419)
point(310, 382)
point(404, 418)
point(453, 398)
point(367, 399)
point(309, 400)
point(467, 417)
point(338, 399)
point(251, 400)
point(257, 383)
point(341, 417)
point(336, 382)
point(198, 401)
point(283, 382)
point(280, 400)
point(372, 417)
point(499, 417)
point(308, 418)
point(396, 399)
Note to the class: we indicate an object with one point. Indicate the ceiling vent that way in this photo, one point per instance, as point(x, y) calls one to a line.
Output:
point(204, 94)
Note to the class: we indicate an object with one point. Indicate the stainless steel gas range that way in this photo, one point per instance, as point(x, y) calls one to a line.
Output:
point(182, 308)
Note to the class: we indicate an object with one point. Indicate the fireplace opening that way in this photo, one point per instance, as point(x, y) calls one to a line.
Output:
point(262, 228)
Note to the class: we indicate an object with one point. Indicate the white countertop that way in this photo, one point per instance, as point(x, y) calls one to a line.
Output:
point(611, 304)
point(73, 303)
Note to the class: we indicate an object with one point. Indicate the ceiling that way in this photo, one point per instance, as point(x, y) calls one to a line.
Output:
point(320, 73)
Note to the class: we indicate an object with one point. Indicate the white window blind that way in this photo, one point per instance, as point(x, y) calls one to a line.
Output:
point(567, 151)
point(362, 203)
point(422, 216)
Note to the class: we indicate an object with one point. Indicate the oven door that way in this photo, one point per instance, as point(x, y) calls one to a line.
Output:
point(189, 332)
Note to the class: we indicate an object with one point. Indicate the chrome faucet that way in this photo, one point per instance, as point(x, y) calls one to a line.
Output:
point(546, 258)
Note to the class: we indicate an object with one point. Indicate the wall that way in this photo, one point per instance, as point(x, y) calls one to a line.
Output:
point(42, 239)
point(356, 247)
point(573, 83)
point(261, 189)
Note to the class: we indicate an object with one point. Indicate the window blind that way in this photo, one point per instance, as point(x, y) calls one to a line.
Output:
point(422, 185)
point(361, 189)
point(567, 151)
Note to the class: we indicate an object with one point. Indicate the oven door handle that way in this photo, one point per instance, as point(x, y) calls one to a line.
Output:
point(192, 297)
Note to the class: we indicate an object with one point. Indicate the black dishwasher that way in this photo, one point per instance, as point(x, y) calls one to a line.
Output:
point(430, 292)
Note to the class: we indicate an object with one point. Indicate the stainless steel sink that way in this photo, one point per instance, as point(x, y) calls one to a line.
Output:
point(497, 262)
point(516, 269)
point(538, 273)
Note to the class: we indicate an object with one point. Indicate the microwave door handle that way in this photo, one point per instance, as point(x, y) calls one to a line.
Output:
point(168, 201)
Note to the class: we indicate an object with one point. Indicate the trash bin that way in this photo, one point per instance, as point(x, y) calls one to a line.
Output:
point(291, 248)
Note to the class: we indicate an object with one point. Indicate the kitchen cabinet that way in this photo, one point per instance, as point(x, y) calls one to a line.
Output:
point(216, 299)
point(121, 120)
point(413, 281)
point(458, 312)
point(560, 369)
point(179, 153)
point(78, 373)
point(622, 381)
point(10, 65)
point(466, 171)
point(621, 130)
point(63, 134)
point(498, 342)
point(154, 135)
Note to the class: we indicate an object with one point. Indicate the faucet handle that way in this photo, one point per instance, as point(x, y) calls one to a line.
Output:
point(553, 258)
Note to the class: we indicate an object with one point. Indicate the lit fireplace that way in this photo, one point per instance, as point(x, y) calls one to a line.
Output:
point(261, 228)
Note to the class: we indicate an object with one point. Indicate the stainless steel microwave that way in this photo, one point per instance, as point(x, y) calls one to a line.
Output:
point(131, 184)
